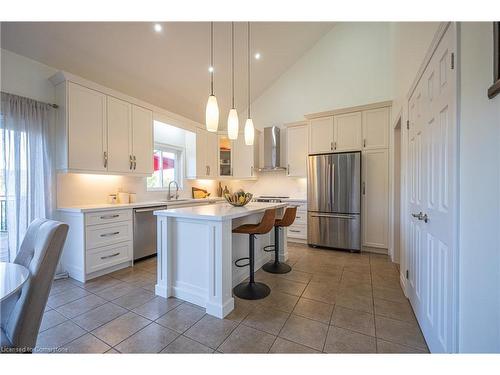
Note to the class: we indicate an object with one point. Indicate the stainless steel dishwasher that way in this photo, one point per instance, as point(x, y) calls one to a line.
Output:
point(145, 231)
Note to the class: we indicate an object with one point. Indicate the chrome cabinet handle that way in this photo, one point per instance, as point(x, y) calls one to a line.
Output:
point(294, 231)
point(331, 146)
point(334, 145)
point(109, 216)
point(364, 188)
point(135, 163)
point(288, 169)
point(110, 256)
point(105, 154)
point(109, 234)
point(333, 216)
point(364, 142)
point(130, 162)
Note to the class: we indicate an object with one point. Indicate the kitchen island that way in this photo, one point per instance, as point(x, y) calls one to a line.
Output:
point(197, 250)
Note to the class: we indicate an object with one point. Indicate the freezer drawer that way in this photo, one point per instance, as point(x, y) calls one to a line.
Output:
point(340, 231)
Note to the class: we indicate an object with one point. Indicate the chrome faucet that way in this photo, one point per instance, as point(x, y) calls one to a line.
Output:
point(169, 196)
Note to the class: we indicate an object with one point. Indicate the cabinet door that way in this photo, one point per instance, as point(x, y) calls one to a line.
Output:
point(201, 153)
point(211, 154)
point(119, 135)
point(321, 135)
point(225, 156)
point(347, 129)
point(296, 150)
point(142, 140)
point(375, 193)
point(87, 142)
point(376, 128)
point(243, 158)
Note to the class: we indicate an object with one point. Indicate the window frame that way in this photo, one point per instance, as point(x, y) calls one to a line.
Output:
point(179, 171)
point(494, 89)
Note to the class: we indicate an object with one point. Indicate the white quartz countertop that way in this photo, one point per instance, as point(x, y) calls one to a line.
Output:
point(218, 212)
point(123, 206)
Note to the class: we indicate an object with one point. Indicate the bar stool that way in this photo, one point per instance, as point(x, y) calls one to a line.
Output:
point(275, 266)
point(253, 290)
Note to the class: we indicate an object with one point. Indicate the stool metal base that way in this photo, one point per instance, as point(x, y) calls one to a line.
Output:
point(251, 290)
point(273, 267)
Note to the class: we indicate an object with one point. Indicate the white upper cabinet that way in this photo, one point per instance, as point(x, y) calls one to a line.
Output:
point(86, 148)
point(376, 128)
point(101, 133)
point(321, 135)
point(206, 154)
point(347, 132)
point(211, 154)
point(245, 158)
point(297, 141)
point(119, 121)
point(142, 140)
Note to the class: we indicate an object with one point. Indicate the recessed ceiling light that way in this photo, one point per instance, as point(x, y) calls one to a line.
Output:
point(257, 56)
point(158, 27)
point(210, 69)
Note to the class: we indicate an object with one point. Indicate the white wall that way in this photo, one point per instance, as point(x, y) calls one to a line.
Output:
point(349, 66)
point(479, 259)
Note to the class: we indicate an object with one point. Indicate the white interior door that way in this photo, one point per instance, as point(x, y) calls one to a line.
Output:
point(432, 206)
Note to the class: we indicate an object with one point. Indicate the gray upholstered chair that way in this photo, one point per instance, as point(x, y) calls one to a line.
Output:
point(39, 252)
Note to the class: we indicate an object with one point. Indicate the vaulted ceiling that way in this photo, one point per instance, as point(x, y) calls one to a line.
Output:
point(168, 69)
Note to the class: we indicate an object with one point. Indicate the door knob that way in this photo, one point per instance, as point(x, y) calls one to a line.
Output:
point(421, 216)
point(417, 215)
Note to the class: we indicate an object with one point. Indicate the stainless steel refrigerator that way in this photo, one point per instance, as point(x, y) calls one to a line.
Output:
point(334, 200)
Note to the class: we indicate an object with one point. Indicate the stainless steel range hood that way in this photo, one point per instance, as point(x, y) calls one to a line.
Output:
point(272, 150)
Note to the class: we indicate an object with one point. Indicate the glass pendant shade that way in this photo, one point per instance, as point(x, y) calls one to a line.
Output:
point(249, 132)
point(212, 114)
point(232, 124)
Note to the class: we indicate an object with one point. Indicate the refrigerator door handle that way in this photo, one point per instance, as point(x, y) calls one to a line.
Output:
point(332, 185)
point(335, 216)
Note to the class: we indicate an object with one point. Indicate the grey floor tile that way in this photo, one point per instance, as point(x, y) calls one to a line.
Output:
point(184, 345)
point(341, 340)
point(355, 302)
point(245, 339)
point(151, 339)
point(86, 344)
point(50, 319)
point(280, 301)
point(157, 307)
point(353, 320)
point(134, 299)
point(295, 275)
point(99, 316)
point(120, 328)
point(283, 346)
point(314, 310)
point(393, 348)
point(305, 331)
point(116, 291)
point(211, 331)
point(394, 310)
point(81, 306)
point(100, 283)
point(321, 292)
point(288, 286)
point(59, 335)
point(67, 296)
point(391, 294)
point(266, 319)
point(182, 317)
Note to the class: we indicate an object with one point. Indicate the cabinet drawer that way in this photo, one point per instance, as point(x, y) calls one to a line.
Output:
point(108, 256)
point(107, 234)
point(297, 231)
point(300, 218)
point(104, 217)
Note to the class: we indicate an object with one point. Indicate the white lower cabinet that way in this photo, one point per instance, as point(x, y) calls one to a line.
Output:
point(297, 232)
point(98, 243)
point(375, 198)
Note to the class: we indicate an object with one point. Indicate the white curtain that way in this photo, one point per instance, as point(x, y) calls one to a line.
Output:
point(26, 170)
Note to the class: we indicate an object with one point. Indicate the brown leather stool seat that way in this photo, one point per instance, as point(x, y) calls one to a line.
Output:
point(276, 266)
point(253, 290)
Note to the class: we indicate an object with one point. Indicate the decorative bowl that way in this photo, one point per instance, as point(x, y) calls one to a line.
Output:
point(238, 199)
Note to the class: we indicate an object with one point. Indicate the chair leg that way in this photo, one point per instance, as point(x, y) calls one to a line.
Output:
point(252, 290)
point(275, 266)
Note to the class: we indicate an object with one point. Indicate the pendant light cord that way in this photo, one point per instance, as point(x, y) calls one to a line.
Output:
point(212, 58)
point(232, 61)
point(248, 61)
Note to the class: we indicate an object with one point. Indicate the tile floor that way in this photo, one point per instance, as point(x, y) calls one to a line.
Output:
point(331, 302)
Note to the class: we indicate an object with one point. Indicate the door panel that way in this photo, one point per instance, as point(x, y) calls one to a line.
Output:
point(297, 143)
point(319, 184)
point(321, 135)
point(346, 183)
point(347, 130)
point(142, 137)
point(334, 230)
point(432, 191)
point(119, 135)
point(87, 129)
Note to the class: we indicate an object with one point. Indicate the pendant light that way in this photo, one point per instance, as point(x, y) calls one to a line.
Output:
point(212, 109)
point(232, 118)
point(249, 129)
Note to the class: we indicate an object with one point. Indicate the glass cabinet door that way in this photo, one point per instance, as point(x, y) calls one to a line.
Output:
point(225, 156)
